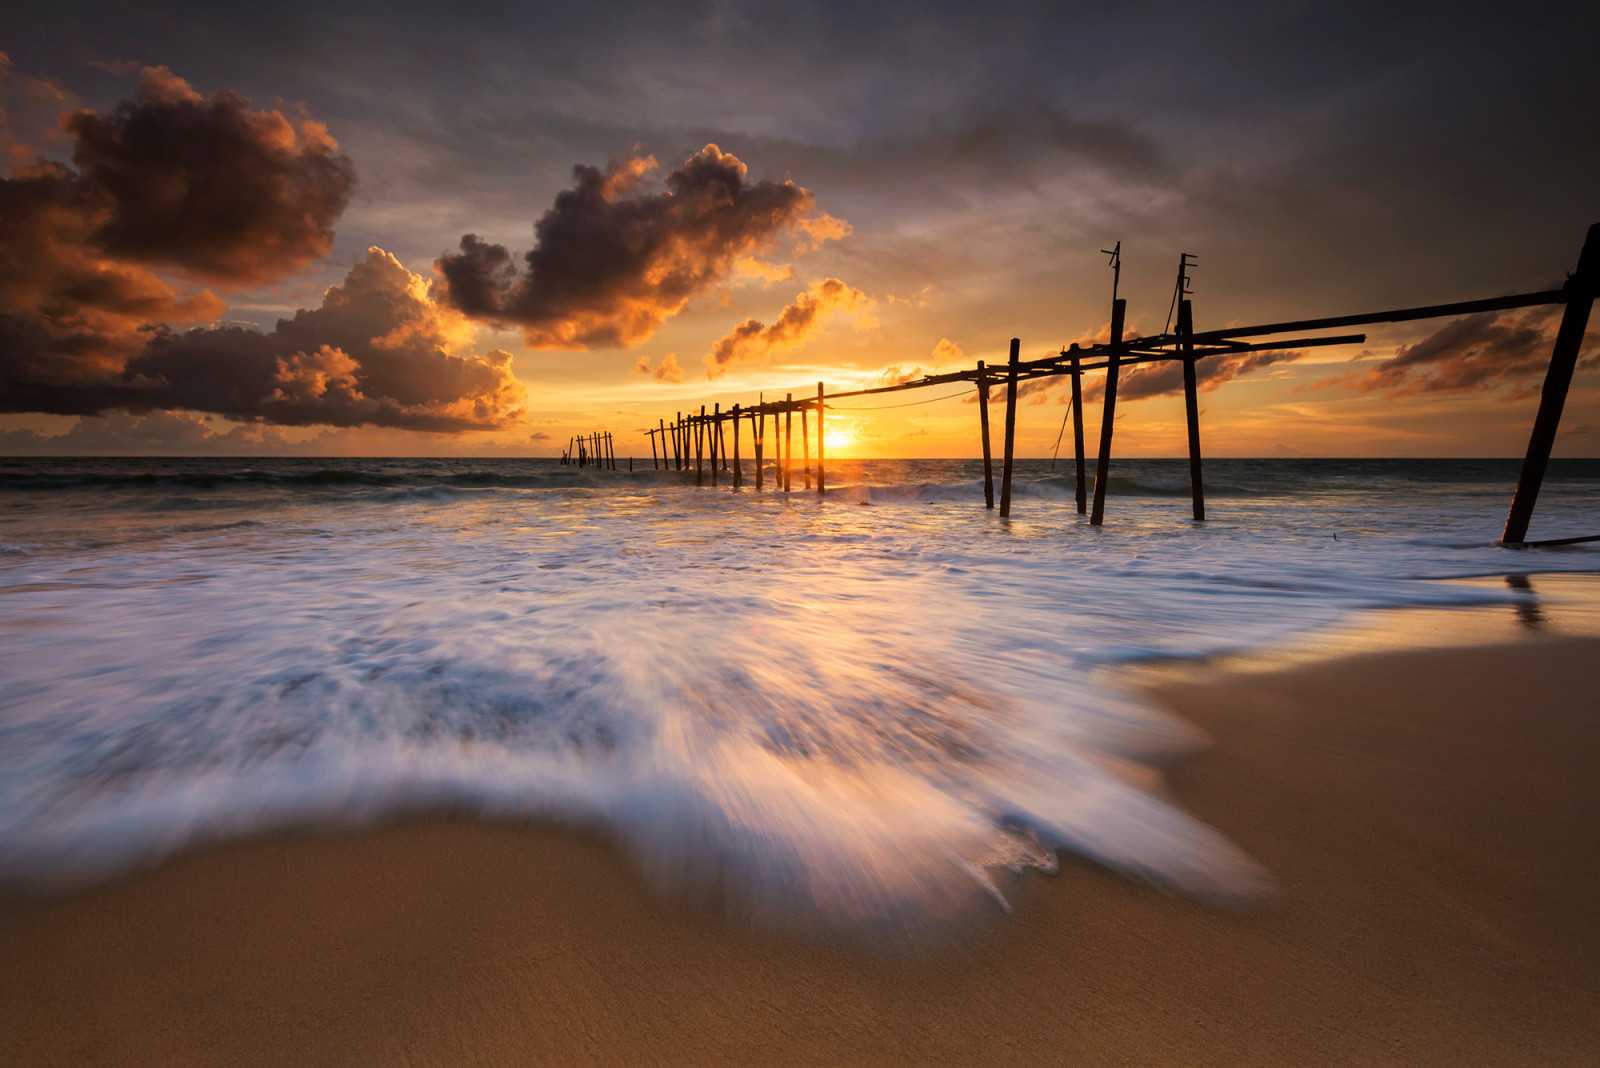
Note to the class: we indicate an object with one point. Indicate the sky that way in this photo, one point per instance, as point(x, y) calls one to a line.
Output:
point(479, 229)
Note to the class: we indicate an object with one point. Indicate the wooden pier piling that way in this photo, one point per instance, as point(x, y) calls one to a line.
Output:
point(788, 443)
point(1582, 287)
point(1011, 428)
point(700, 447)
point(1102, 470)
point(712, 431)
point(738, 466)
point(1077, 429)
point(821, 480)
point(758, 433)
point(983, 432)
point(805, 449)
point(1191, 407)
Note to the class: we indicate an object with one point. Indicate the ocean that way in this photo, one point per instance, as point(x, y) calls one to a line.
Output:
point(858, 710)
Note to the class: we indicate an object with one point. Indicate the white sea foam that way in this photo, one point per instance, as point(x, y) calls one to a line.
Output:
point(811, 710)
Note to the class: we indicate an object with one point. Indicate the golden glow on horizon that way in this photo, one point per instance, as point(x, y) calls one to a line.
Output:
point(842, 438)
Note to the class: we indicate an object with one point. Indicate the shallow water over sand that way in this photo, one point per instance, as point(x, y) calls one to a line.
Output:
point(812, 709)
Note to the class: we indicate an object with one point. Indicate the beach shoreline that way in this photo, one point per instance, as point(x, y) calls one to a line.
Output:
point(1428, 815)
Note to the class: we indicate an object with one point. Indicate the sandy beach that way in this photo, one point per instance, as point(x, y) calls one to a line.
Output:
point(1430, 815)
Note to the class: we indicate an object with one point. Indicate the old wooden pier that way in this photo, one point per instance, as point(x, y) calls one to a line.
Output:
point(698, 441)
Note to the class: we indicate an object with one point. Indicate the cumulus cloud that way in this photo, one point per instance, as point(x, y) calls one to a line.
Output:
point(795, 325)
point(208, 185)
point(1478, 352)
point(1142, 381)
point(171, 181)
point(946, 351)
point(666, 371)
point(612, 261)
point(379, 351)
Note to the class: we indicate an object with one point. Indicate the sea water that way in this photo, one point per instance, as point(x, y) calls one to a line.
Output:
point(854, 709)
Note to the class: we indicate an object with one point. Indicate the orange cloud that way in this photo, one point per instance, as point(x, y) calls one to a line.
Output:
point(795, 325)
point(612, 263)
point(666, 371)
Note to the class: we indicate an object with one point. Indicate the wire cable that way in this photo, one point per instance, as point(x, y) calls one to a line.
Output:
point(882, 407)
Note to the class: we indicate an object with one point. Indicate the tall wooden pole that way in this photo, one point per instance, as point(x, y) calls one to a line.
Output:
point(788, 443)
point(983, 431)
point(700, 448)
point(738, 466)
point(821, 480)
point(1191, 406)
point(1581, 290)
point(805, 448)
point(1011, 429)
point(1077, 428)
point(653, 465)
point(712, 431)
point(758, 432)
point(679, 452)
point(1102, 471)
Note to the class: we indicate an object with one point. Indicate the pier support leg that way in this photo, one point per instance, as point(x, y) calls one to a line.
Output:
point(700, 448)
point(1102, 470)
point(1011, 429)
point(983, 432)
point(788, 445)
point(738, 467)
point(1191, 407)
point(1581, 289)
point(821, 480)
point(1077, 432)
point(713, 431)
point(758, 434)
point(805, 449)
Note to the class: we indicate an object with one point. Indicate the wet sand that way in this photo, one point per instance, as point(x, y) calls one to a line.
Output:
point(1433, 817)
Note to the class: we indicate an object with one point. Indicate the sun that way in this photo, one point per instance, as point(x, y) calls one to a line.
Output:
point(838, 439)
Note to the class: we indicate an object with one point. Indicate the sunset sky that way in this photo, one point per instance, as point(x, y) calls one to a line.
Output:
point(404, 229)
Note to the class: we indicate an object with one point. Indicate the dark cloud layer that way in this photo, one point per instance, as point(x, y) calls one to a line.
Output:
point(611, 262)
point(1142, 381)
point(212, 190)
point(1478, 352)
point(209, 186)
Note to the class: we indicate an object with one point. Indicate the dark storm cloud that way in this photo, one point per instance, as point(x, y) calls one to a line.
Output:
point(208, 185)
point(611, 262)
point(208, 188)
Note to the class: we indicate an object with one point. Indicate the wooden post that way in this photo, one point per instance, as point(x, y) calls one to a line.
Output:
point(712, 431)
point(738, 467)
point(653, 465)
point(983, 430)
point(788, 443)
point(1102, 470)
point(821, 483)
point(1011, 429)
point(1581, 290)
point(679, 453)
point(611, 450)
point(722, 443)
point(758, 433)
point(1077, 428)
point(805, 448)
point(1191, 406)
point(700, 448)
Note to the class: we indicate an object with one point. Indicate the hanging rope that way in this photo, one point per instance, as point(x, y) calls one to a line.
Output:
point(1059, 433)
point(881, 407)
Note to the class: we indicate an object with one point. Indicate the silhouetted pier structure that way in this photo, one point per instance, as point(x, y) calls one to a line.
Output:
point(690, 440)
point(592, 450)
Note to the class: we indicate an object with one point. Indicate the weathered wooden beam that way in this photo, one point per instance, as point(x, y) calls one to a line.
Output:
point(1191, 408)
point(983, 432)
point(1582, 287)
point(1011, 429)
point(1102, 471)
point(1398, 315)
